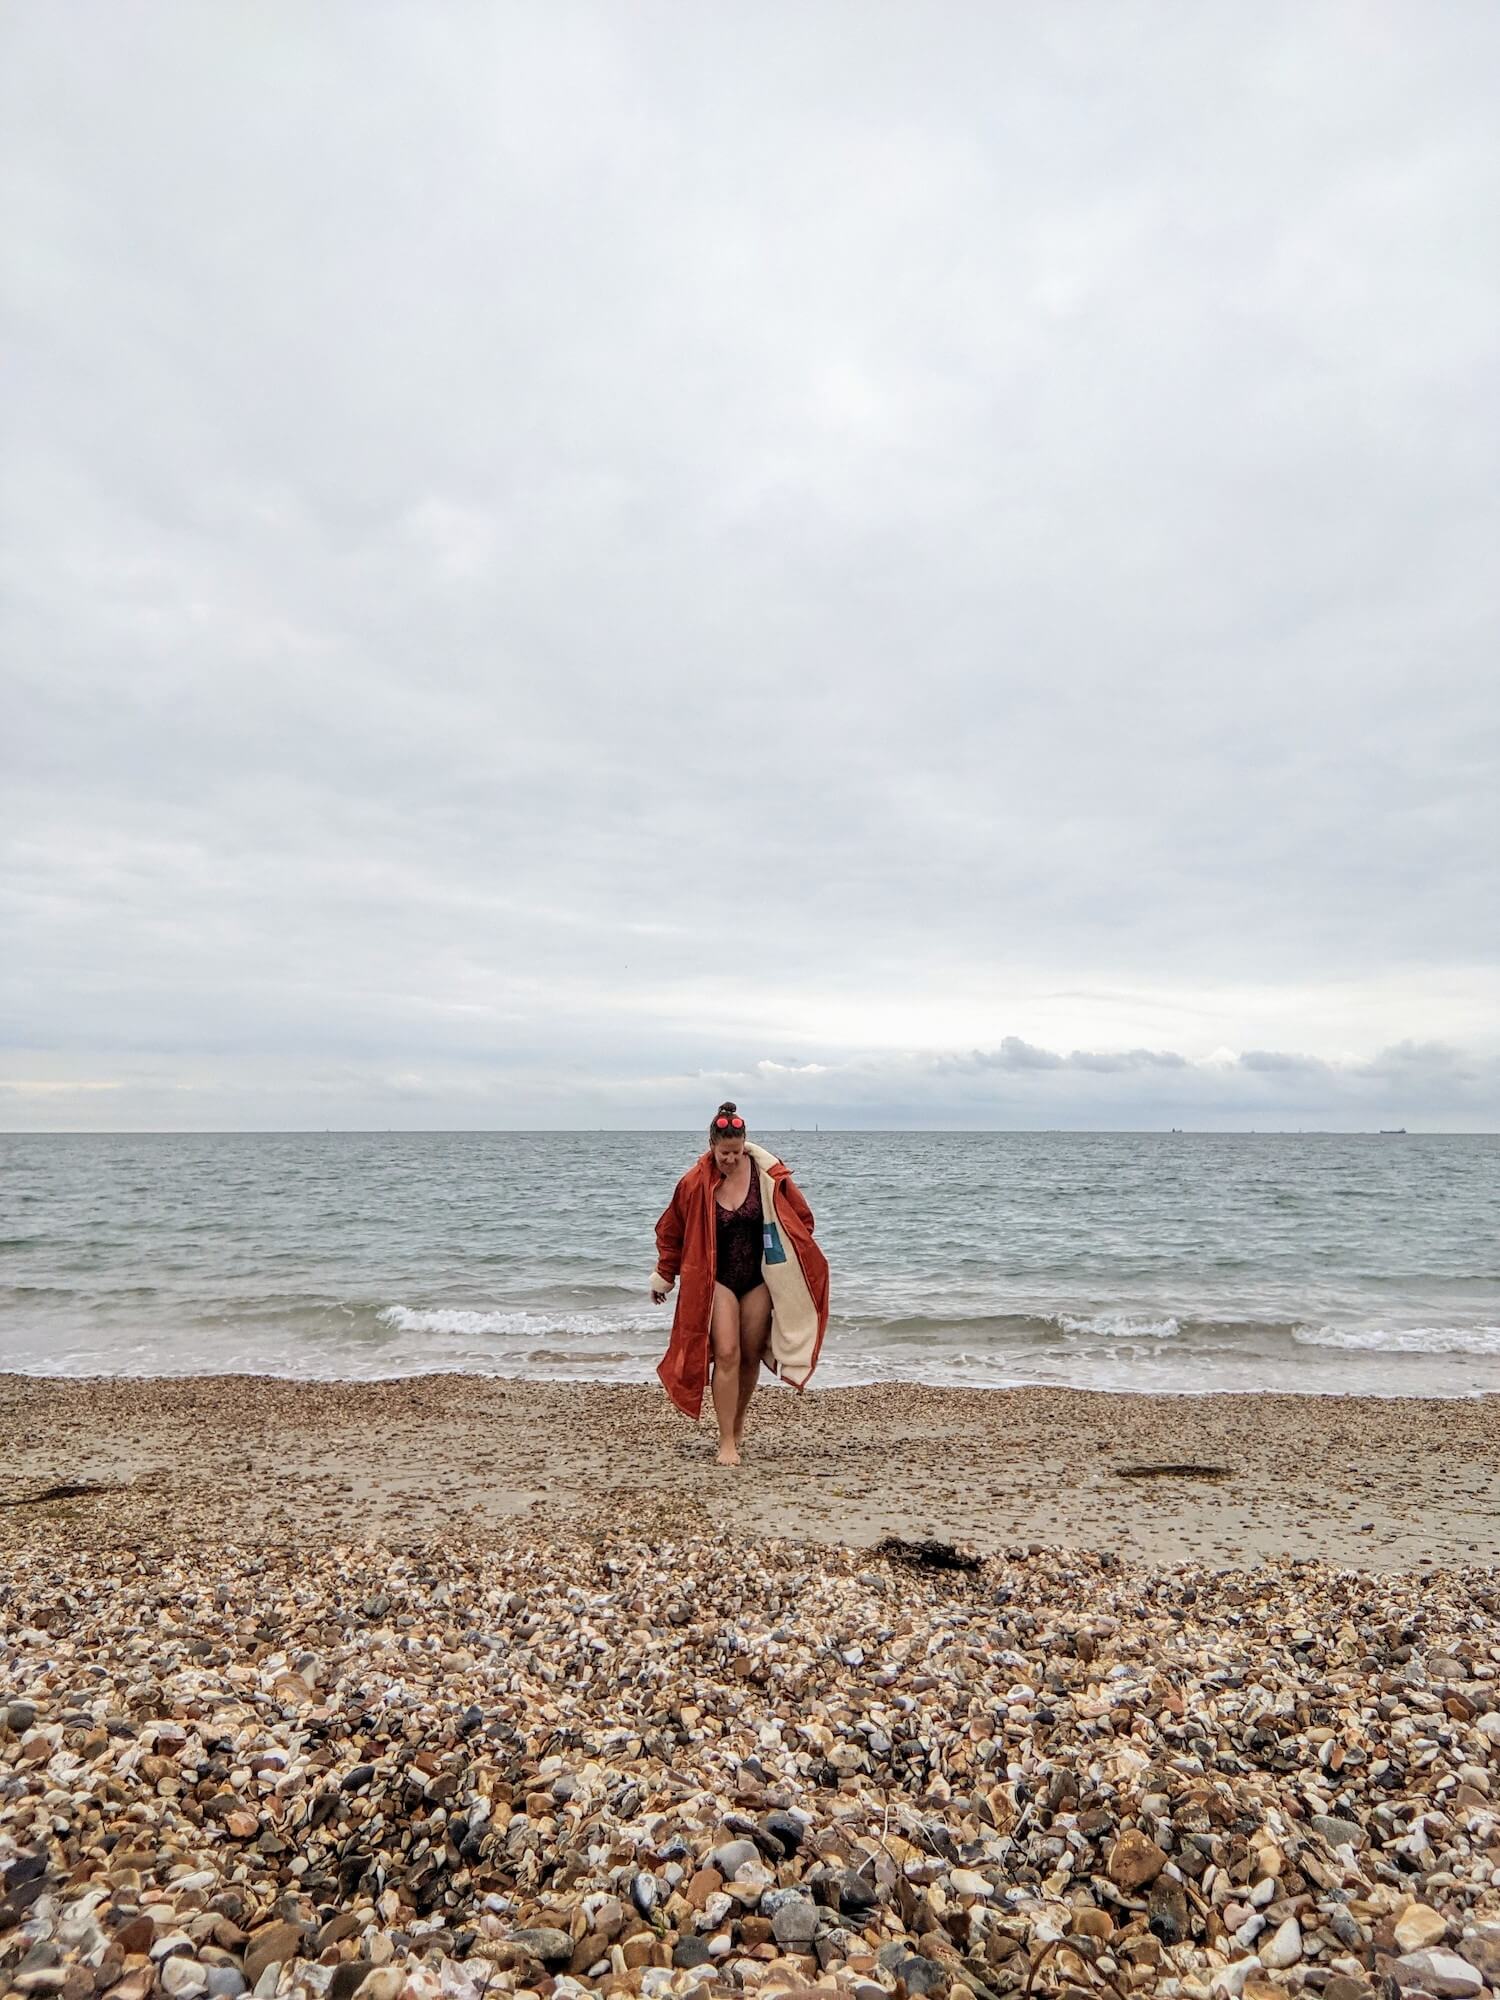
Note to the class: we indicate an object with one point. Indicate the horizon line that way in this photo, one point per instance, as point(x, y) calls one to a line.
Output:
point(801, 1131)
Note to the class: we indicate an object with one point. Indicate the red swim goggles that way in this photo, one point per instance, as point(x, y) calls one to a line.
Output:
point(729, 1124)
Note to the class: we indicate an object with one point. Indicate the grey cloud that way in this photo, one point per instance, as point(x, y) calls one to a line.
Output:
point(1015, 1054)
point(1275, 1062)
point(1414, 1062)
point(1012, 1054)
point(1108, 1062)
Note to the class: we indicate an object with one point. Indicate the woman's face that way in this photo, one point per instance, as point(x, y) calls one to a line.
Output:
point(727, 1154)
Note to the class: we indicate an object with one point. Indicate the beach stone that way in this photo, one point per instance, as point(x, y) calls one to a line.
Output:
point(183, 1978)
point(1091, 1924)
point(690, 1952)
point(137, 1934)
point(786, 1828)
point(1135, 1860)
point(273, 1945)
point(1167, 1910)
point(384, 1983)
point(1230, 1980)
point(1419, 1927)
point(227, 1982)
point(171, 1944)
point(1347, 1928)
point(1441, 1972)
point(854, 1893)
point(965, 1882)
point(1481, 1946)
point(777, 1899)
point(921, 1975)
point(733, 1856)
point(545, 1944)
point(796, 1922)
point(587, 1952)
point(82, 1937)
point(20, 1715)
point(1337, 1832)
point(836, 1947)
point(1283, 1947)
point(707, 1882)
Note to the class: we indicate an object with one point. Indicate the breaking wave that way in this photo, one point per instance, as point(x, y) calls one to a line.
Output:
point(1402, 1340)
point(1121, 1326)
point(458, 1323)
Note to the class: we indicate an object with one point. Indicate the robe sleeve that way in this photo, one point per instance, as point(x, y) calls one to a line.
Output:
point(669, 1233)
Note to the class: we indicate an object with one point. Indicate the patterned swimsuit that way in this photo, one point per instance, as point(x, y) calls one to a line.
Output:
point(740, 1242)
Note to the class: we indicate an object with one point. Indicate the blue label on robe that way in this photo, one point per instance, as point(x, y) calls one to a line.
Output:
point(774, 1252)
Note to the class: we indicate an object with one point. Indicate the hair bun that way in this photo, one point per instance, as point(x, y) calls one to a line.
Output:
point(728, 1108)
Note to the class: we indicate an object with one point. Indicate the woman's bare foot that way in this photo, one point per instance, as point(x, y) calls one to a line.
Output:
point(728, 1453)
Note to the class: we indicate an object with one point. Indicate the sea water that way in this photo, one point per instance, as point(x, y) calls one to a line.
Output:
point(1126, 1261)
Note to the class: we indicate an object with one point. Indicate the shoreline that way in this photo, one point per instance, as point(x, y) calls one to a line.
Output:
point(1368, 1482)
point(560, 1380)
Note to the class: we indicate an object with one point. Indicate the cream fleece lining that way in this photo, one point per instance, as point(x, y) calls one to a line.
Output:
point(794, 1317)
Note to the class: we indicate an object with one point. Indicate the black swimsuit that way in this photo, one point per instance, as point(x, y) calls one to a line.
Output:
point(741, 1242)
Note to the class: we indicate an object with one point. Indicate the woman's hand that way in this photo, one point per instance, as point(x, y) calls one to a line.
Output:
point(660, 1286)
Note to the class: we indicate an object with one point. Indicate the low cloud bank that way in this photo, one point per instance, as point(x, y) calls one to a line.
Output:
point(1017, 1084)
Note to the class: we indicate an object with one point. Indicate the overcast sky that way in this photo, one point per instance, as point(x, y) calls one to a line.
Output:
point(910, 565)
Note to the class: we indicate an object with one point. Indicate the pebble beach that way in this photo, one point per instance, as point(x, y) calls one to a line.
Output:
point(461, 1687)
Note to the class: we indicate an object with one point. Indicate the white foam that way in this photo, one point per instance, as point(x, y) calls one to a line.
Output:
point(1120, 1326)
point(1403, 1340)
point(465, 1325)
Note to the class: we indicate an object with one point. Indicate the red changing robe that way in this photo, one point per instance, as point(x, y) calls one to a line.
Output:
point(795, 1271)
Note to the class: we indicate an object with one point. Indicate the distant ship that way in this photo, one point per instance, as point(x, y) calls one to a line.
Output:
point(1393, 1131)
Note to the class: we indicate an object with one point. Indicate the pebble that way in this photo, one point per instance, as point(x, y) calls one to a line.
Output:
point(1337, 1832)
point(796, 1922)
point(1419, 1926)
point(1283, 1947)
point(184, 1977)
point(1441, 1973)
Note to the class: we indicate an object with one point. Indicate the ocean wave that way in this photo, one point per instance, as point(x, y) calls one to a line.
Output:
point(1402, 1340)
point(458, 1322)
point(1121, 1326)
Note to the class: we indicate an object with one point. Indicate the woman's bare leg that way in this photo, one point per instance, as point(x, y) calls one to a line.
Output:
point(755, 1329)
point(725, 1335)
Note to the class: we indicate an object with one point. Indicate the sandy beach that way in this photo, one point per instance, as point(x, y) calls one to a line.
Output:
point(444, 1689)
point(1379, 1484)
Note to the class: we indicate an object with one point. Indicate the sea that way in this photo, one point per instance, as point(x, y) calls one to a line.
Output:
point(1322, 1264)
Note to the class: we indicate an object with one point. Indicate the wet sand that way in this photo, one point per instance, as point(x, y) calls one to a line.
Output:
point(1372, 1483)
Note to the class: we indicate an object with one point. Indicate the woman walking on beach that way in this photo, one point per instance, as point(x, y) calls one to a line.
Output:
point(754, 1283)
